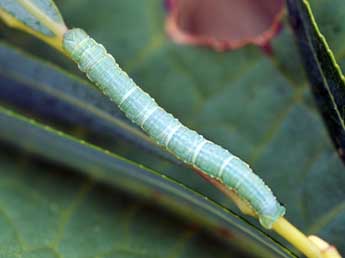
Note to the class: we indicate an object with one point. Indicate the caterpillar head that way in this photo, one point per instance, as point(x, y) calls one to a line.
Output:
point(268, 220)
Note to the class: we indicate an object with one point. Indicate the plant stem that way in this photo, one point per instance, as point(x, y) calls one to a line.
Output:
point(285, 229)
point(328, 251)
point(296, 238)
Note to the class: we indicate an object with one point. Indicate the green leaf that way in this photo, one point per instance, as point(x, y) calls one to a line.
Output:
point(18, 10)
point(92, 210)
point(325, 76)
point(257, 106)
point(33, 85)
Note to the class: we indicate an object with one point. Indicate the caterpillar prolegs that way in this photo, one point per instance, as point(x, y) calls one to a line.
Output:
point(187, 145)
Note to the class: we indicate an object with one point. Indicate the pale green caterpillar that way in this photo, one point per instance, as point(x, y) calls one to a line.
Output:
point(213, 160)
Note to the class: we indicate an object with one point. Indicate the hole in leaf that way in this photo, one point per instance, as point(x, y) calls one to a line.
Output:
point(224, 24)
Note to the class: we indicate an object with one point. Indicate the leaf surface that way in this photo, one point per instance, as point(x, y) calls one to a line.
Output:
point(44, 91)
point(18, 9)
point(326, 79)
point(61, 219)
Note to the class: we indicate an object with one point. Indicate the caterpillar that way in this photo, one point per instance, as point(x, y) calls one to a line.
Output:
point(186, 144)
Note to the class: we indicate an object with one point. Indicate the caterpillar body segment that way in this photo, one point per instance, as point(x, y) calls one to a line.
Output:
point(187, 145)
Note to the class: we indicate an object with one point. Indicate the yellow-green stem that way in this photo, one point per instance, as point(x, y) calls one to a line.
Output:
point(296, 238)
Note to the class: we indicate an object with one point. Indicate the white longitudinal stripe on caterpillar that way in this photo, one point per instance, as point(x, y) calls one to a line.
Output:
point(238, 183)
point(92, 65)
point(223, 166)
point(86, 39)
point(197, 150)
point(127, 95)
point(148, 114)
point(171, 134)
point(100, 46)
